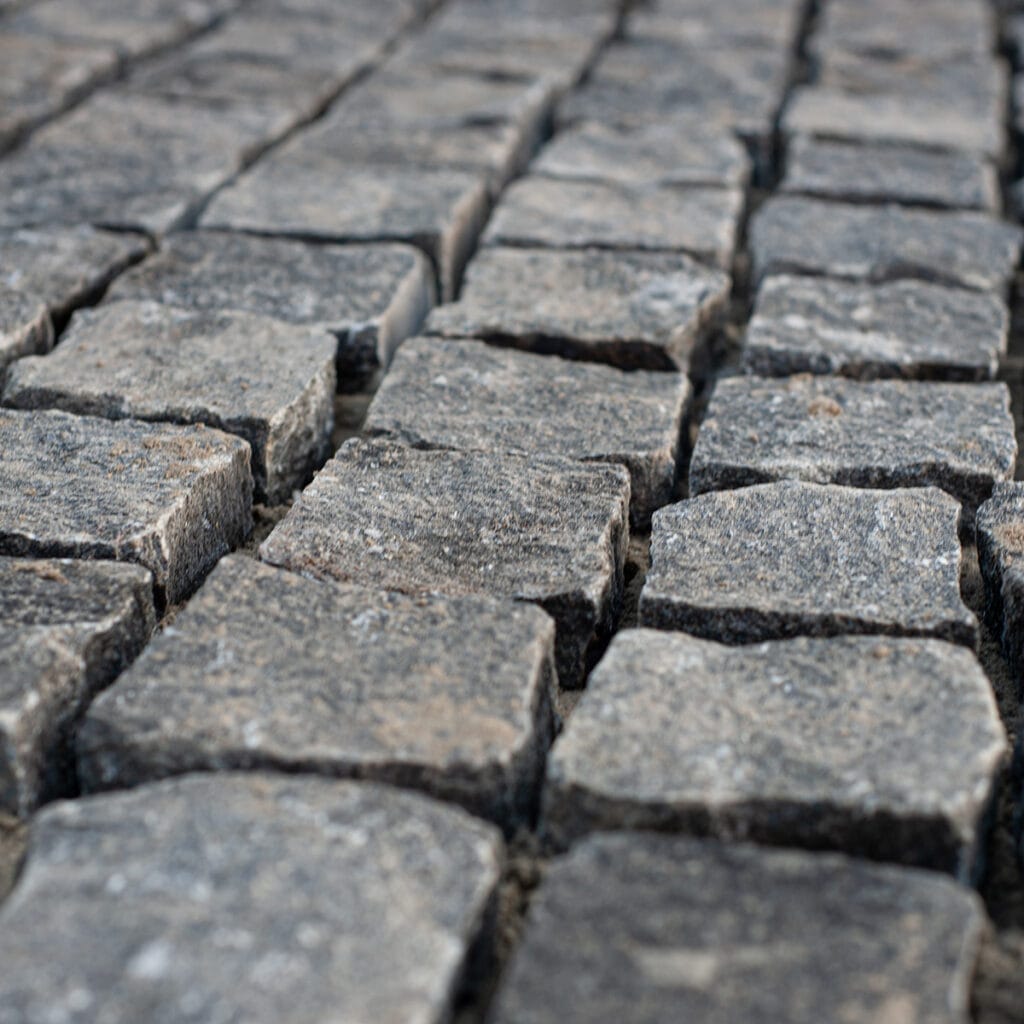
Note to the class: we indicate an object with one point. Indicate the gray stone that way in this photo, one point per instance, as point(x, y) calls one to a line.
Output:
point(468, 396)
point(901, 329)
point(726, 23)
point(797, 743)
point(451, 696)
point(545, 530)
point(25, 326)
point(256, 898)
point(632, 309)
point(173, 499)
point(1000, 532)
point(810, 236)
point(369, 297)
point(269, 382)
point(792, 558)
point(660, 929)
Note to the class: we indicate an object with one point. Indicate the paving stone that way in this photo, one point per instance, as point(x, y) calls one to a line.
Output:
point(540, 211)
point(899, 329)
point(631, 309)
point(810, 236)
point(655, 928)
point(261, 898)
point(546, 530)
point(1000, 532)
point(797, 742)
point(792, 558)
point(370, 297)
point(468, 396)
point(25, 326)
point(770, 23)
point(172, 499)
point(902, 174)
point(234, 685)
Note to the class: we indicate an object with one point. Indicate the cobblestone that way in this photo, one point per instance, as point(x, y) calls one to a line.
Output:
point(1000, 548)
point(25, 326)
point(768, 23)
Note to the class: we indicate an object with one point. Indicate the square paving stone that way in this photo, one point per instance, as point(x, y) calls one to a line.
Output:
point(634, 310)
point(1000, 532)
point(546, 530)
point(255, 898)
point(890, 433)
point(370, 297)
point(269, 382)
point(173, 499)
point(661, 929)
point(448, 695)
point(900, 329)
point(792, 558)
point(545, 212)
point(25, 326)
point(792, 235)
point(468, 396)
point(888, 749)
point(769, 23)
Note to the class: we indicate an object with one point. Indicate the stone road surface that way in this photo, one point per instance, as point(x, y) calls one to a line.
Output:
point(509, 511)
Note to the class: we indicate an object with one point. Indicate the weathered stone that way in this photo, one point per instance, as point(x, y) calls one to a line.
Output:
point(173, 499)
point(1000, 532)
point(545, 530)
point(631, 309)
point(900, 329)
point(844, 240)
point(269, 382)
point(25, 326)
point(773, 23)
point(874, 173)
point(468, 396)
point(679, 929)
point(256, 898)
point(447, 695)
point(799, 743)
point(792, 558)
point(369, 297)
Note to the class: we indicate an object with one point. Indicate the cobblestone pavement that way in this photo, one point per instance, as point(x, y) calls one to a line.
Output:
point(509, 511)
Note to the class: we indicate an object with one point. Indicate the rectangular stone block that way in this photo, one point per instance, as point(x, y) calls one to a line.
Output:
point(256, 898)
point(269, 382)
point(792, 558)
point(767, 23)
point(173, 499)
point(1000, 535)
point(545, 530)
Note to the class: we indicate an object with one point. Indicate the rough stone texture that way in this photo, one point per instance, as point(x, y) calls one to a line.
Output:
point(653, 928)
point(447, 695)
point(468, 396)
point(844, 240)
point(173, 499)
point(792, 558)
point(269, 382)
point(890, 433)
point(539, 211)
point(1000, 531)
point(631, 309)
point(873, 173)
point(545, 530)
point(726, 23)
point(799, 743)
point(256, 898)
point(25, 326)
point(900, 329)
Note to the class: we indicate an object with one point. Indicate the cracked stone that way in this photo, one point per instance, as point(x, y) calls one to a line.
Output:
point(684, 929)
point(173, 499)
point(293, 886)
point(631, 309)
point(1000, 533)
point(25, 326)
point(792, 558)
point(545, 530)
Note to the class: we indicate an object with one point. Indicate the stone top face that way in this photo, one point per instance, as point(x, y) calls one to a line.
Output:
point(811, 236)
point(257, 898)
point(792, 558)
point(792, 742)
point(903, 328)
point(720, 933)
point(25, 326)
point(726, 23)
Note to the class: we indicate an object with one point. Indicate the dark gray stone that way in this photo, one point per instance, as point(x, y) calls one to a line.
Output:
point(792, 558)
point(545, 530)
point(173, 499)
point(660, 929)
point(25, 326)
point(798, 743)
point(269, 382)
point(468, 396)
point(630, 309)
point(1000, 532)
point(878, 243)
point(256, 898)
